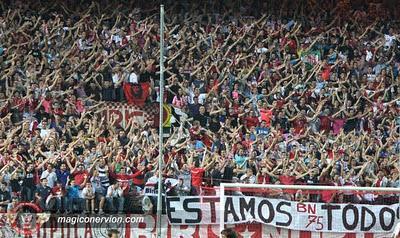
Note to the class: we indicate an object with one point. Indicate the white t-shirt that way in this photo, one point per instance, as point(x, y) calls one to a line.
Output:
point(245, 178)
point(133, 78)
point(88, 192)
point(50, 176)
point(389, 40)
point(116, 78)
point(201, 99)
point(116, 38)
point(111, 192)
point(44, 133)
point(369, 56)
point(262, 50)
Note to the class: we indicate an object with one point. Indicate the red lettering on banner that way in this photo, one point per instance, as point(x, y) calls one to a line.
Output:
point(123, 112)
point(88, 230)
point(305, 234)
point(307, 208)
point(249, 230)
point(115, 113)
point(184, 231)
point(53, 228)
point(128, 227)
point(350, 235)
point(133, 114)
point(211, 233)
point(277, 232)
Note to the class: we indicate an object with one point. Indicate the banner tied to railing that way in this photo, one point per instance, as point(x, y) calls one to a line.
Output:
point(284, 214)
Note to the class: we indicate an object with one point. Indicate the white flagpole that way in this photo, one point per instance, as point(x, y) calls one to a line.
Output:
point(161, 130)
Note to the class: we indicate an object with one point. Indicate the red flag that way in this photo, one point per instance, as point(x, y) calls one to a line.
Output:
point(136, 93)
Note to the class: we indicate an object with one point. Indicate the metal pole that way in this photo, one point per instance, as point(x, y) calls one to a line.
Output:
point(161, 130)
point(222, 208)
point(308, 187)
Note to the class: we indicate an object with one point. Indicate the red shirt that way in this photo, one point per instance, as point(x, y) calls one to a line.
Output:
point(325, 123)
point(194, 133)
point(263, 179)
point(251, 121)
point(299, 125)
point(287, 180)
point(19, 103)
point(326, 195)
point(326, 73)
point(266, 116)
point(124, 179)
point(79, 176)
point(197, 176)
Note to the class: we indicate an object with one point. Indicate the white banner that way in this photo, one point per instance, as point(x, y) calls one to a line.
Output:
point(284, 214)
point(147, 229)
point(123, 112)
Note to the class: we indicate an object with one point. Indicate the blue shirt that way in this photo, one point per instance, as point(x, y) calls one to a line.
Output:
point(73, 191)
point(240, 160)
point(199, 145)
point(62, 176)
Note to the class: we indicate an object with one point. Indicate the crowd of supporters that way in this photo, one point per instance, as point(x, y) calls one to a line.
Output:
point(269, 92)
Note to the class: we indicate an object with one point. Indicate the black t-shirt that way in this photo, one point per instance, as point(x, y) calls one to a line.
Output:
point(37, 53)
point(43, 191)
point(283, 122)
point(214, 126)
point(174, 88)
point(123, 140)
point(108, 94)
point(29, 180)
point(228, 174)
point(194, 109)
point(5, 196)
point(15, 186)
point(107, 75)
point(145, 77)
point(216, 177)
point(93, 91)
point(203, 119)
point(312, 180)
point(350, 125)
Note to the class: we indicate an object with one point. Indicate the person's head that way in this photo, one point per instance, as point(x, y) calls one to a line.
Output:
point(63, 167)
point(88, 185)
point(113, 233)
point(381, 174)
point(202, 109)
point(249, 172)
point(121, 133)
point(314, 172)
point(81, 167)
point(3, 186)
point(180, 181)
point(72, 182)
point(49, 167)
point(229, 233)
point(58, 183)
point(43, 181)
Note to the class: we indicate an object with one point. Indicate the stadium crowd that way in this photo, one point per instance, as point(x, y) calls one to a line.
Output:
point(277, 92)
